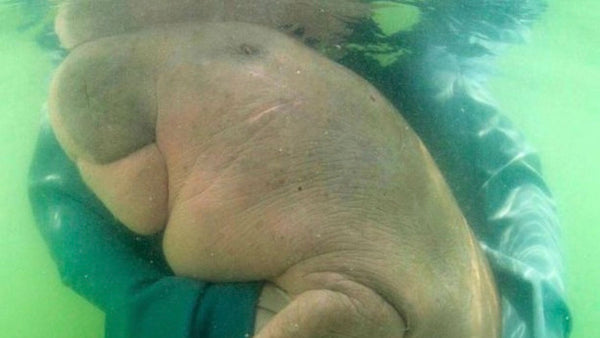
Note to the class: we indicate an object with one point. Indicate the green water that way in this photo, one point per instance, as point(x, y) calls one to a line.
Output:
point(548, 87)
point(34, 302)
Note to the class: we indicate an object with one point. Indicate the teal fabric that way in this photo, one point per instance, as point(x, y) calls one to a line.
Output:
point(124, 274)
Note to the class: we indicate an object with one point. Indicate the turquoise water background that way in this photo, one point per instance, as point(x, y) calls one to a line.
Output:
point(549, 87)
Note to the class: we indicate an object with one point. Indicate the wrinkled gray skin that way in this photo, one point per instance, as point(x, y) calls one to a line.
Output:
point(262, 160)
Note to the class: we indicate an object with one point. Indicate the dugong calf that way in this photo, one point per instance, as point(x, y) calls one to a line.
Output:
point(262, 160)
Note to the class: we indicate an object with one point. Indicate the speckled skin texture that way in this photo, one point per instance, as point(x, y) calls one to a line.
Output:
point(262, 160)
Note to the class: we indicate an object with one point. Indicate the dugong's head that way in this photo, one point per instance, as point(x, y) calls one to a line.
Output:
point(102, 75)
point(339, 150)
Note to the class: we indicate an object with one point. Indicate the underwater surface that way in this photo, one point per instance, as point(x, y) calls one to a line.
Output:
point(548, 87)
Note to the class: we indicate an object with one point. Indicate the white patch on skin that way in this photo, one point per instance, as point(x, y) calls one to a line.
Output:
point(260, 114)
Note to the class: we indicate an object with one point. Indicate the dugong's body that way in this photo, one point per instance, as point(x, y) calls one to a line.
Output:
point(264, 161)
